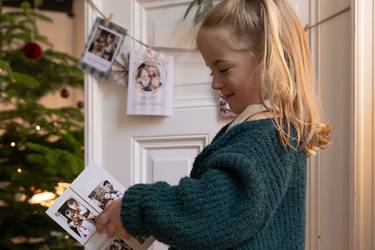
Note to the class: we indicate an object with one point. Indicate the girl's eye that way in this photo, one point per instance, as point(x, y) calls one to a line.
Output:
point(224, 70)
point(221, 71)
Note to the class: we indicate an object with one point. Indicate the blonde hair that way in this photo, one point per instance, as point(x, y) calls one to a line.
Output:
point(276, 37)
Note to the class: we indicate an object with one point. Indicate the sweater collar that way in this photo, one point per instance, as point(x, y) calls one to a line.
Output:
point(248, 111)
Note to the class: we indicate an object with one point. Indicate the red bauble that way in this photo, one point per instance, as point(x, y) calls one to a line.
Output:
point(64, 93)
point(80, 104)
point(32, 51)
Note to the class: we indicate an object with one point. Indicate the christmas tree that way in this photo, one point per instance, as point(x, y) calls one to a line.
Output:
point(41, 148)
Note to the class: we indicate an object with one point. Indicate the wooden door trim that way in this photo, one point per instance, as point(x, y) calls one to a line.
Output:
point(364, 119)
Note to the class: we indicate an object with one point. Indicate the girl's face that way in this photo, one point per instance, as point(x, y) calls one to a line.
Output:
point(232, 65)
point(69, 214)
point(152, 70)
point(155, 82)
point(144, 75)
point(109, 39)
point(73, 204)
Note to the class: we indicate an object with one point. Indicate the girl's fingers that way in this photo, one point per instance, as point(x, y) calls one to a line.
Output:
point(122, 233)
point(101, 221)
point(111, 230)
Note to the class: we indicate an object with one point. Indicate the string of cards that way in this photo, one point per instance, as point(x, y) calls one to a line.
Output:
point(148, 74)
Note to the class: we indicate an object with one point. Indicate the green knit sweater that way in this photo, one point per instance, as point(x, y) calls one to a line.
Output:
point(245, 191)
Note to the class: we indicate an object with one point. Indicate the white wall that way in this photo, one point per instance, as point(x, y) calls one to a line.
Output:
point(67, 35)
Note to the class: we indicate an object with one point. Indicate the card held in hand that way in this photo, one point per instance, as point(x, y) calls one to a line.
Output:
point(79, 205)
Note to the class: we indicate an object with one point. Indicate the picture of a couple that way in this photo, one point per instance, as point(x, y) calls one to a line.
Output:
point(78, 217)
point(104, 193)
point(104, 44)
point(148, 77)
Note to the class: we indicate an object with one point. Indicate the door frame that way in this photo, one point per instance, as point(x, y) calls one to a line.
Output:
point(92, 109)
point(363, 26)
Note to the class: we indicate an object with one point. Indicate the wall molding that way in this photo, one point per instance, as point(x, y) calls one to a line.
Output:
point(93, 122)
point(142, 145)
point(314, 163)
point(364, 132)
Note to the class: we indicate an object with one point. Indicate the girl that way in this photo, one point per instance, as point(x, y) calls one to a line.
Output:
point(247, 188)
point(143, 79)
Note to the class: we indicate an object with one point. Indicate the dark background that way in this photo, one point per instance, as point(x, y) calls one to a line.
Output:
point(54, 5)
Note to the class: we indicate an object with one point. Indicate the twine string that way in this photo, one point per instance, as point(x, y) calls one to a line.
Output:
point(307, 27)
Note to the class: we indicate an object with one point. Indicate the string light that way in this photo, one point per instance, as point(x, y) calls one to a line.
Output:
point(45, 198)
point(37, 127)
point(42, 198)
point(19, 170)
point(12, 144)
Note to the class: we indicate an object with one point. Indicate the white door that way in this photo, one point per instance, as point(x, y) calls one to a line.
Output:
point(148, 149)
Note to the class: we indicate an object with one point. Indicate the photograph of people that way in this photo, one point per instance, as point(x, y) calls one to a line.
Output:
point(143, 79)
point(119, 245)
point(78, 218)
point(80, 209)
point(104, 44)
point(148, 77)
point(104, 193)
point(110, 47)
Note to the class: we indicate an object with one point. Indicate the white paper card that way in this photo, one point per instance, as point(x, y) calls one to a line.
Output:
point(79, 205)
point(150, 84)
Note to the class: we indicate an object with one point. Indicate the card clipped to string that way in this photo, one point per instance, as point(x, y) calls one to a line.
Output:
point(78, 206)
point(150, 89)
point(103, 45)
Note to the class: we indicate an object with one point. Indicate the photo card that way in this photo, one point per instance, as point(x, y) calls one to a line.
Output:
point(79, 205)
point(116, 244)
point(136, 243)
point(75, 215)
point(103, 45)
point(97, 186)
point(150, 88)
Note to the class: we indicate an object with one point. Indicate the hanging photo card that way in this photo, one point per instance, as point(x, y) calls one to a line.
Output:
point(78, 206)
point(104, 43)
point(150, 88)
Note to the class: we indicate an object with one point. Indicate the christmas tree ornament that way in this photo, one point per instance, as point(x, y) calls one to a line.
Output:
point(64, 93)
point(32, 51)
point(120, 69)
point(80, 104)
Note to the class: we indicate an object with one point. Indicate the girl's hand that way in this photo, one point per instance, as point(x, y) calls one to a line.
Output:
point(110, 222)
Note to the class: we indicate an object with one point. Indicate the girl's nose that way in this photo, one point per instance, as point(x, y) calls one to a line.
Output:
point(216, 83)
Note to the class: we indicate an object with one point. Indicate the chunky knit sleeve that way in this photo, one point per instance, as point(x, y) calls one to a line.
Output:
point(229, 204)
